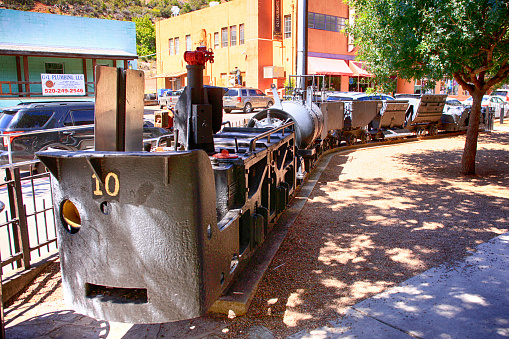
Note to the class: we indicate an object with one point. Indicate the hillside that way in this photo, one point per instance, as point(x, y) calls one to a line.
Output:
point(108, 9)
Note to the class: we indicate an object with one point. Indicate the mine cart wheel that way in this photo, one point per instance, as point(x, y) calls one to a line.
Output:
point(420, 132)
point(350, 140)
point(248, 108)
point(365, 137)
point(433, 130)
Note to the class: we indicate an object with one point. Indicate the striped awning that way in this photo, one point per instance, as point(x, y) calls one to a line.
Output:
point(359, 70)
point(326, 66)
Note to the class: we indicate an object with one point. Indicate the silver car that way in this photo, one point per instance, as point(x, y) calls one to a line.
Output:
point(245, 99)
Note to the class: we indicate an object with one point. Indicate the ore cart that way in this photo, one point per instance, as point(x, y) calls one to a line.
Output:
point(358, 114)
point(424, 120)
point(390, 123)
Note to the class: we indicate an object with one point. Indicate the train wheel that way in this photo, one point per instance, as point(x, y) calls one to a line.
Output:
point(365, 137)
point(350, 140)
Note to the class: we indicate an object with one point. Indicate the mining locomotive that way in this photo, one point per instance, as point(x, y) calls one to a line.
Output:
point(148, 237)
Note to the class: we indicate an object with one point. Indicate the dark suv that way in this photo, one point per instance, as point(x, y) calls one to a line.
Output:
point(31, 117)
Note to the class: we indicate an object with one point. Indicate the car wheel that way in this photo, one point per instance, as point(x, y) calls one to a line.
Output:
point(248, 108)
point(227, 110)
point(270, 103)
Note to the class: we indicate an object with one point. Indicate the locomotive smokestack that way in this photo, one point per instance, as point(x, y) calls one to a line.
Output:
point(302, 41)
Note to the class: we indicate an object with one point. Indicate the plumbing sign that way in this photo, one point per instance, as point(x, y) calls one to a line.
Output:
point(63, 84)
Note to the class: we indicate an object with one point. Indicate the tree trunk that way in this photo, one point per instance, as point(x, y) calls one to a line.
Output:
point(468, 159)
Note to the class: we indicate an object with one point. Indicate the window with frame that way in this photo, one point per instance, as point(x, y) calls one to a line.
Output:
point(287, 26)
point(341, 24)
point(54, 67)
point(216, 39)
point(326, 22)
point(170, 46)
point(189, 45)
point(224, 37)
point(177, 46)
point(330, 23)
point(241, 34)
point(79, 117)
point(320, 21)
point(233, 35)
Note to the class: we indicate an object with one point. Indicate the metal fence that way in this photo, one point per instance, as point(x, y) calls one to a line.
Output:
point(27, 227)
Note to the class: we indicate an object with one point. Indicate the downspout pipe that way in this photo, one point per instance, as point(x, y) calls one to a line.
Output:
point(302, 42)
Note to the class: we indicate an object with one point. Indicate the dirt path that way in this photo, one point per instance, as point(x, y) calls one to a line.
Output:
point(376, 217)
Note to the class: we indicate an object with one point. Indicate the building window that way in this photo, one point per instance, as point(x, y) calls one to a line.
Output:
point(233, 35)
point(330, 23)
point(325, 22)
point(54, 67)
point(216, 39)
point(177, 45)
point(241, 34)
point(341, 24)
point(224, 37)
point(288, 26)
point(188, 43)
point(170, 46)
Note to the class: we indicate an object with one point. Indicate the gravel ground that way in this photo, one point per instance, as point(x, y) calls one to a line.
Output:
point(376, 217)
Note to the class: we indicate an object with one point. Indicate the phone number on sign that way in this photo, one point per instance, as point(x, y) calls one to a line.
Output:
point(63, 90)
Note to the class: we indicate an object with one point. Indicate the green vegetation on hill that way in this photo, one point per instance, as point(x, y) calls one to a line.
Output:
point(109, 9)
point(143, 12)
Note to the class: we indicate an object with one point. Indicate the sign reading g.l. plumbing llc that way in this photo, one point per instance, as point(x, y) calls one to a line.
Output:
point(63, 84)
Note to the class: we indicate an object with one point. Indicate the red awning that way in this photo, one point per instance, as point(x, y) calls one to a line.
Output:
point(325, 66)
point(359, 70)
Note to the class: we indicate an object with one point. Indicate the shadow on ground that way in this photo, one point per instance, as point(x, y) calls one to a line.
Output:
point(343, 249)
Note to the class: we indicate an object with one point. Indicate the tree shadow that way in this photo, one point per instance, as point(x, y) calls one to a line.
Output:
point(346, 247)
point(59, 324)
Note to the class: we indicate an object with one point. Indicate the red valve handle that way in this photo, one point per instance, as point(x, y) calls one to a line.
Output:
point(199, 57)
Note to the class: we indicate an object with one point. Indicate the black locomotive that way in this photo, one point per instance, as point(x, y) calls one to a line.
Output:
point(147, 237)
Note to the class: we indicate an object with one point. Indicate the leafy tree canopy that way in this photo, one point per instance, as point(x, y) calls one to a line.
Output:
point(467, 40)
point(415, 39)
point(145, 37)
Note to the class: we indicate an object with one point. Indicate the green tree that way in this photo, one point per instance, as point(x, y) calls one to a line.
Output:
point(415, 39)
point(145, 36)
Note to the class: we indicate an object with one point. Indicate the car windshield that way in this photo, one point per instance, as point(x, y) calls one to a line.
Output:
point(453, 102)
point(232, 92)
point(30, 119)
point(502, 93)
point(6, 118)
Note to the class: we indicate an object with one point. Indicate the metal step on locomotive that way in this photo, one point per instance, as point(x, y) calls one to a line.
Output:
point(148, 237)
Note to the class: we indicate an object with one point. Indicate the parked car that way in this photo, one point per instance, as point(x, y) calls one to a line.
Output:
point(491, 101)
point(453, 106)
point(150, 99)
point(169, 98)
point(246, 99)
point(350, 96)
point(32, 117)
point(504, 93)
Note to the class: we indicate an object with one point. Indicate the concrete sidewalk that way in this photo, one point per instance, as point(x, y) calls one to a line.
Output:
point(469, 299)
